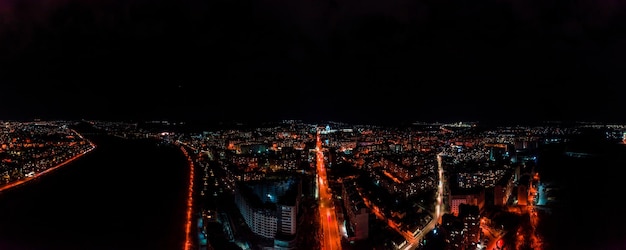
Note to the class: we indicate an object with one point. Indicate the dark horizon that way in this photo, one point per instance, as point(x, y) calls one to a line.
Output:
point(251, 122)
point(331, 60)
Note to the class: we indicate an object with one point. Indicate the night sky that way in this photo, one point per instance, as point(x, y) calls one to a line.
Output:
point(346, 60)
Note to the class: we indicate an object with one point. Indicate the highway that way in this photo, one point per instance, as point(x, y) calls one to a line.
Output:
point(328, 219)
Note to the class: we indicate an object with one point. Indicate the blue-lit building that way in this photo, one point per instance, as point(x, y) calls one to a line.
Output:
point(270, 207)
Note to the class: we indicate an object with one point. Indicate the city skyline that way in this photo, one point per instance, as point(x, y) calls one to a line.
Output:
point(361, 62)
point(297, 185)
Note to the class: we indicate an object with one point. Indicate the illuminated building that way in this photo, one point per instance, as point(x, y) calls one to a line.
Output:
point(475, 197)
point(522, 190)
point(269, 208)
point(502, 191)
point(462, 231)
point(500, 151)
point(470, 216)
point(453, 232)
point(358, 213)
point(522, 195)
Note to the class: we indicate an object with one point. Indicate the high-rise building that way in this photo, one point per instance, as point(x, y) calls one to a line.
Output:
point(358, 213)
point(503, 189)
point(474, 197)
point(522, 195)
point(269, 208)
point(470, 215)
point(522, 190)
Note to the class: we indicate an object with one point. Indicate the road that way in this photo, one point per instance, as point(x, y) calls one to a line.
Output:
point(189, 213)
point(134, 186)
point(42, 173)
point(328, 218)
point(439, 206)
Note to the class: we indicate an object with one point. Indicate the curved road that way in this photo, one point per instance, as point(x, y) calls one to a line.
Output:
point(125, 194)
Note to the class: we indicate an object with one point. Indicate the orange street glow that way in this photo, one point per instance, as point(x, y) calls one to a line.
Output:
point(188, 244)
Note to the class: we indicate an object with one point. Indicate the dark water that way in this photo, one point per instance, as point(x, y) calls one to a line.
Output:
point(123, 195)
point(587, 213)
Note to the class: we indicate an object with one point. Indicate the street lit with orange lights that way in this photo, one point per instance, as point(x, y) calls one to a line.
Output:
point(26, 180)
point(411, 241)
point(328, 219)
point(494, 235)
point(188, 239)
point(536, 240)
point(526, 234)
